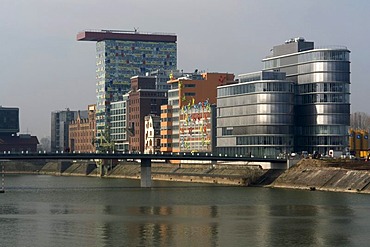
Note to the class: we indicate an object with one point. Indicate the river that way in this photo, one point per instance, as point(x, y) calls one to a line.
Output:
point(81, 211)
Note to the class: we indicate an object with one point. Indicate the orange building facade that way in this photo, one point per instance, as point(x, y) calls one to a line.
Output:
point(186, 122)
point(82, 132)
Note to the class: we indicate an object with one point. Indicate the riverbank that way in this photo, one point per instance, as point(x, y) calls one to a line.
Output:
point(308, 174)
point(326, 175)
point(216, 174)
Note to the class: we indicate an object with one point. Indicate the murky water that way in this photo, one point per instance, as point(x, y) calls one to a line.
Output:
point(81, 211)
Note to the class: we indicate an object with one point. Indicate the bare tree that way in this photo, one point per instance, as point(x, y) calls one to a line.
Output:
point(360, 120)
point(45, 144)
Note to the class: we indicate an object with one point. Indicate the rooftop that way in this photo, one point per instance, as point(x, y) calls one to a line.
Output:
point(100, 35)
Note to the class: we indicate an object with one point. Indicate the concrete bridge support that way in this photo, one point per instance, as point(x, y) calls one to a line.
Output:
point(146, 173)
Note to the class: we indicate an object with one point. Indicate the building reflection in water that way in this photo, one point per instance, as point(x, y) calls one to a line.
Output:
point(161, 226)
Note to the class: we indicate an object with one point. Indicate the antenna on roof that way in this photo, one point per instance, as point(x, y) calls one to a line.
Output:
point(136, 29)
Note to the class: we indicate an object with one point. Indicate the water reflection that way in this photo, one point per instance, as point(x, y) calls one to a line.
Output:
point(124, 215)
point(160, 226)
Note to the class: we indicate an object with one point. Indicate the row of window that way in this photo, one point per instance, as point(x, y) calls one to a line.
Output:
point(323, 77)
point(261, 98)
point(321, 130)
point(255, 130)
point(323, 140)
point(265, 140)
point(323, 87)
point(324, 66)
point(255, 119)
point(255, 109)
point(323, 98)
point(273, 86)
point(307, 57)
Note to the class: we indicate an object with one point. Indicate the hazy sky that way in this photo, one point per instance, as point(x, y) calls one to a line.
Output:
point(43, 68)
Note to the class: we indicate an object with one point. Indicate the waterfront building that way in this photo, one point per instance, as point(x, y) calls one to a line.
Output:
point(152, 134)
point(359, 142)
point(10, 141)
point(186, 123)
point(121, 55)
point(144, 100)
point(60, 121)
point(255, 117)
point(322, 110)
point(82, 132)
point(119, 124)
point(9, 120)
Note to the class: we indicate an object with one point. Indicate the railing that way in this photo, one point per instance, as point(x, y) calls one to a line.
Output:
point(115, 155)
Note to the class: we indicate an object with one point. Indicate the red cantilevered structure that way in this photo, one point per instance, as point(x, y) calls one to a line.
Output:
point(99, 35)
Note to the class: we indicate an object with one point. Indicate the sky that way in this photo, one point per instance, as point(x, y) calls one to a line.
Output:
point(43, 68)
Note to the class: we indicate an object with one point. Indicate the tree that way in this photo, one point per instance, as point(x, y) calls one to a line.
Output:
point(360, 120)
point(45, 144)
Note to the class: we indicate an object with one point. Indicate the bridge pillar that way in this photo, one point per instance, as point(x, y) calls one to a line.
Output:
point(146, 173)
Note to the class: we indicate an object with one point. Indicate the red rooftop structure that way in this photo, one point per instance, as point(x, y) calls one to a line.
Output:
point(99, 35)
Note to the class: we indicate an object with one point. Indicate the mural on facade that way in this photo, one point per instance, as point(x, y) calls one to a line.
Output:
point(195, 126)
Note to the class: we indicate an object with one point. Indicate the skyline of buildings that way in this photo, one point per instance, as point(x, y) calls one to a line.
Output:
point(299, 101)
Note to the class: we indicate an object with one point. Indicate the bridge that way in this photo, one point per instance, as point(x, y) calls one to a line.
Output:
point(146, 159)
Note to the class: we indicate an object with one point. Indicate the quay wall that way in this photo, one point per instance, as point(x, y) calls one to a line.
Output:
point(308, 174)
point(324, 175)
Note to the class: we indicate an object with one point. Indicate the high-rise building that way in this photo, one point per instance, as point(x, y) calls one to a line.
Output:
point(322, 110)
point(121, 55)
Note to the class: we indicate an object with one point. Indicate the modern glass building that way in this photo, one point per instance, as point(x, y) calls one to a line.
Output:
point(322, 110)
point(255, 117)
point(119, 123)
point(121, 55)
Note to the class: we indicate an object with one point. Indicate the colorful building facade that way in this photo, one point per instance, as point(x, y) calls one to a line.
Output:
point(186, 121)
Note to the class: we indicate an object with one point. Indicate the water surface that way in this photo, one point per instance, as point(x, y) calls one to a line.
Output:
point(83, 211)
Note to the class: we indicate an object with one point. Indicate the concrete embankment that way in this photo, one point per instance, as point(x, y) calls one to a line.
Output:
point(219, 174)
point(341, 176)
point(309, 174)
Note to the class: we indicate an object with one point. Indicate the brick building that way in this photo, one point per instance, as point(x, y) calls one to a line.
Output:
point(82, 132)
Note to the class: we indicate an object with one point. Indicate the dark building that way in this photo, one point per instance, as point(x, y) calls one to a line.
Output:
point(9, 127)
point(144, 100)
point(9, 120)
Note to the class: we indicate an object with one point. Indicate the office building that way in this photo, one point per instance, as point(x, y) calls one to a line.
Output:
point(121, 55)
point(60, 121)
point(322, 109)
point(144, 100)
point(10, 141)
point(255, 117)
point(9, 120)
point(119, 124)
point(186, 123)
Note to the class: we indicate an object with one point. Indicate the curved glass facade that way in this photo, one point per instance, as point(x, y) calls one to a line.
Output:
point(256, 118)
point(322, 110)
